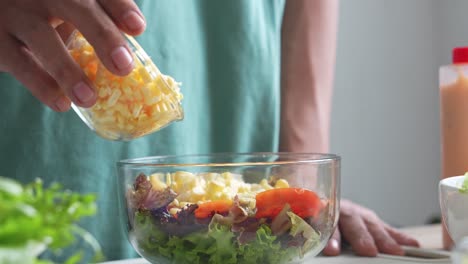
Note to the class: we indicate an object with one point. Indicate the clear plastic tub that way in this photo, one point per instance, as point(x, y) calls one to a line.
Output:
point(127, 107)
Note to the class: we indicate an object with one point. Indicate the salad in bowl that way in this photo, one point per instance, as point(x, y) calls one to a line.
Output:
point(230, 208)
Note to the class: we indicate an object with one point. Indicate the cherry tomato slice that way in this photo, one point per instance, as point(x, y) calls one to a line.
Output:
point(304, 203)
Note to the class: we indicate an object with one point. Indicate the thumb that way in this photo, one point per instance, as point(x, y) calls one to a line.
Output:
point(333, 247)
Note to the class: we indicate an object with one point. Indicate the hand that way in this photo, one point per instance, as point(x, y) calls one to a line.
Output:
point(32, 50)
point(366, 233)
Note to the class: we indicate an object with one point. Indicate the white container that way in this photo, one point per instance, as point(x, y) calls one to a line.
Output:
point(454, 206)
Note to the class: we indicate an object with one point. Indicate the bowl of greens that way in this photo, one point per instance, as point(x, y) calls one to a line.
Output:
point(230, 208)
point(453, 198)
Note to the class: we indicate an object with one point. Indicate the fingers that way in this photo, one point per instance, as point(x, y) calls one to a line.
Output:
point(32, 24)
point(46, 45)
point(30, 74)
point(333, 247)
point(355, 232)
point(98, 28)
point(402, 238)
point(368, 234)
point(125, 15)
point(384, 242)
point(65, 30)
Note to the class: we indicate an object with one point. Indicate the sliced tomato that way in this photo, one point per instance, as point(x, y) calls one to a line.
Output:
point(208, 209)
point(304, 203)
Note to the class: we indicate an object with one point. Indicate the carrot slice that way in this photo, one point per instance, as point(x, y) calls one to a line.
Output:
point(208, 209)
point(304, 203)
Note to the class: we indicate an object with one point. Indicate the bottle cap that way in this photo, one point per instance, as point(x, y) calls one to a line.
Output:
point(460, 55)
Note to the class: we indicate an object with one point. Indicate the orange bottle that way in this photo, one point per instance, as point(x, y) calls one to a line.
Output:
point(453, 83)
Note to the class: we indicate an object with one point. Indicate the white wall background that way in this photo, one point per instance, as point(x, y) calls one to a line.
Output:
point(385, 121)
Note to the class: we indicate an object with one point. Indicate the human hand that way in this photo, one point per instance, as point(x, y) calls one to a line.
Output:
point(366, 233)
point(32, 50)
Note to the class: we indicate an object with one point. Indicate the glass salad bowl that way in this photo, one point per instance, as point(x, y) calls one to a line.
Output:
point(230, 208)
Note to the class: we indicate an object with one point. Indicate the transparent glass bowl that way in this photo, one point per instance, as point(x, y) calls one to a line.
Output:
point(230, 208)
point(127, 107)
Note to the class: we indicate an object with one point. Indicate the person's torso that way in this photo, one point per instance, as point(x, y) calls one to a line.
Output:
point(227, 55)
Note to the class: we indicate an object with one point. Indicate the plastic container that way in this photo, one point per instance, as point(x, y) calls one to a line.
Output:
point(127, 107)
point(453, 82)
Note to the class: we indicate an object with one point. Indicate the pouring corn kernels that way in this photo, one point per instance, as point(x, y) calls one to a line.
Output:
point(127, 107)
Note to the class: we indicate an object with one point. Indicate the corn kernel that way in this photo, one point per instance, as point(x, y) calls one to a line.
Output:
point(136, 110)
point(168, 179)
point(174, 210)
point(156, 183)
point(175, 203)
point(281, 183)
point(265, 185)
point(113, 98)
point(146, 78)
point(183, 204)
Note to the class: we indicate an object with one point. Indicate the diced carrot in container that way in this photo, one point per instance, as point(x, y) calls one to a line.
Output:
point(127, 107)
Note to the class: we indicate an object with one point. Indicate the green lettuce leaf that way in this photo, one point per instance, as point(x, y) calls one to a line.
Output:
point(302, 228)
point(464, 186)
point(214, 245)
point(266, 249)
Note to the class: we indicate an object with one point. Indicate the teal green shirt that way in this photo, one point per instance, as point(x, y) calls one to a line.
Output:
point(227, 55)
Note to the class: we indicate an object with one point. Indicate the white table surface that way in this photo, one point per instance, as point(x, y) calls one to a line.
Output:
point(429, 237)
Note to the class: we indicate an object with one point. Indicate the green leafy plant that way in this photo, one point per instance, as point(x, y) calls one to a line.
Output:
point(34, 219)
